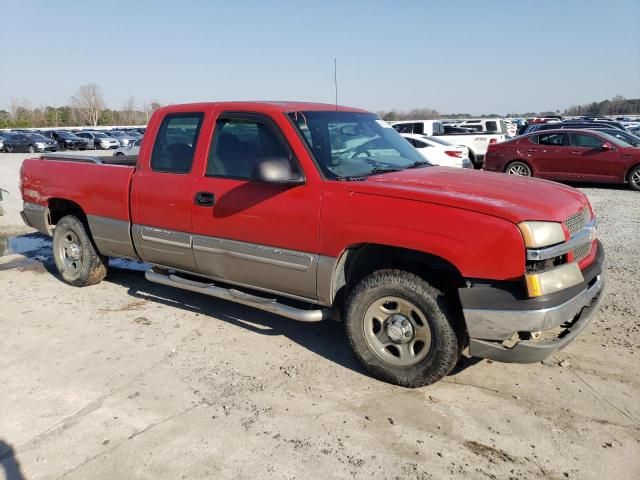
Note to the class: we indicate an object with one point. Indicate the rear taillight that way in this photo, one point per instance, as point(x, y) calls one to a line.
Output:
point(492, 141)
point(453, 153)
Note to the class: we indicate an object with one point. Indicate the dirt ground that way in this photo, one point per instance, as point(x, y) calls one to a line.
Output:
point(128, 379)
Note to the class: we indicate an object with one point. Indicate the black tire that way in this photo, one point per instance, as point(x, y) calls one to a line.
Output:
point(518, 166)
point(633, 178)
point(91, 268)
point(32, 149)
point(8, 149)
point(119, 154)
point(445, 340)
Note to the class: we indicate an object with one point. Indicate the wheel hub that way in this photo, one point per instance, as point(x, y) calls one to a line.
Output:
point(73, 251)
point(399, 329)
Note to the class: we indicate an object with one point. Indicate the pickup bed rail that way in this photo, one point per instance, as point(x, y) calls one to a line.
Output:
point(127, 160)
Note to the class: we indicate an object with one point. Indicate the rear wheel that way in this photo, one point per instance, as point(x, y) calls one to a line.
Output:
point(8, 149)
point(75, 256)
point(32, 149)
point(518, 168)
point(634, 177)
point(401, 328)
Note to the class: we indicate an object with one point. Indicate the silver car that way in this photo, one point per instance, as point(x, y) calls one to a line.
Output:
point(98, 140)
point(124, 139)
point(132, 149)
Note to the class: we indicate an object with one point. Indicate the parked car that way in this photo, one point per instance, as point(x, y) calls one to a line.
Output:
point(625, 136)
point(537, 127)
point(440, 152)
point(261, 203)
point(2, 137)
point(476, 142)
point(98, 140)
point(122, 138)
point(490, 125)
point(66, 140)
point(574, 155)
point(132, 149)
point(28, 142)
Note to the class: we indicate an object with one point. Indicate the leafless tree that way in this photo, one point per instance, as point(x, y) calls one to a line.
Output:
point(150, 107)
point(88, 102)
point(129, 110)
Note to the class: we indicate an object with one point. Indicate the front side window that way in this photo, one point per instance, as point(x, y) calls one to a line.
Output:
point(238, 144)
point(404, 127)
point(492, 126)
point(585, 141)
point(554, 139)
point(348, 144)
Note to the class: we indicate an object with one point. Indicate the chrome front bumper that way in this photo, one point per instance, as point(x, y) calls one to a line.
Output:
point(493, 318)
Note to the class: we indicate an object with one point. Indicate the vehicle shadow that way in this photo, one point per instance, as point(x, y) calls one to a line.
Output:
point(608, 186)
point(326, 339)
point(9, 462)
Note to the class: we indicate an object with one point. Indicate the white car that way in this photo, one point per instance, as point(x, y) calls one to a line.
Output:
point(477, 142)
point(132, 149)
point(439, 151)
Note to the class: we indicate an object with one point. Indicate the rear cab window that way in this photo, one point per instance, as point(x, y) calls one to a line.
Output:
point(176, 142)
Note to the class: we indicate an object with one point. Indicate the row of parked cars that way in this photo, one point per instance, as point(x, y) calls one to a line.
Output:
point(583, 150)
point(57, 140)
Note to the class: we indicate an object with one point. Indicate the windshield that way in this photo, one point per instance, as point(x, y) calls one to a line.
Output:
point(37, 136)
point(66, 135)
point(100, 135)
point(615, 140)
point(353, 144)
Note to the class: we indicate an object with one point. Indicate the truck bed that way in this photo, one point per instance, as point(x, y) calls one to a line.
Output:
point(99, 184)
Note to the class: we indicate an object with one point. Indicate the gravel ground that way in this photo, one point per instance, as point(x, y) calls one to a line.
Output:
point(128, 379)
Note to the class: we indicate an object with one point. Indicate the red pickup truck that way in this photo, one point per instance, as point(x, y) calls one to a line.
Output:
point(318, 212)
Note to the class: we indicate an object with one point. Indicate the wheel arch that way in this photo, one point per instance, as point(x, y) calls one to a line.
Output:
point(61, 207)
point(628, 172)
point(358, 261)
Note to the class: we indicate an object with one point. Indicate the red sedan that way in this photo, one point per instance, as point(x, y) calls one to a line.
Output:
point(568, 154)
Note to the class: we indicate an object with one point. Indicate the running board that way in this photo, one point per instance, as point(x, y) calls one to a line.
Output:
point(233, 295)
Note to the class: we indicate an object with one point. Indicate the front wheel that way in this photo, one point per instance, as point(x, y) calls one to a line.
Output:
point(75, 256)
point(402, 329)
point(634, 177)
point(32, 149)
point(519, 169)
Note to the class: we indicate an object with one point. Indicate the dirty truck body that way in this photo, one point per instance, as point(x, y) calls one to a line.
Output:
point(316, 212)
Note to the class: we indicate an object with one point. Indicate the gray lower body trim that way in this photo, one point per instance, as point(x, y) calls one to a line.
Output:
point(112, 237)
point(502, 324)
point(266, 267)
point(36, 216)
point(164, 247)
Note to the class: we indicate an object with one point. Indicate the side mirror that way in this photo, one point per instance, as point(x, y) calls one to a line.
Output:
point(276, 170)
point(606, 146)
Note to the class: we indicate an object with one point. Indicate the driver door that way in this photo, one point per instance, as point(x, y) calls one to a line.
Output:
point(261, 235)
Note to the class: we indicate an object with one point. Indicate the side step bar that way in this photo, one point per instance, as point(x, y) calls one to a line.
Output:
point(233, 295)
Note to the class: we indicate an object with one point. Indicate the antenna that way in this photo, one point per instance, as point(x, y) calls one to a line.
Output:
point(335, 79)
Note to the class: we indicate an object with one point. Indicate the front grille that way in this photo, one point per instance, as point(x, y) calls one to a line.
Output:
point(576, 222)
point(581, 252)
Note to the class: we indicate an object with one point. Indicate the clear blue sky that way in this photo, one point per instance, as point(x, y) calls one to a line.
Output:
point(454, 56)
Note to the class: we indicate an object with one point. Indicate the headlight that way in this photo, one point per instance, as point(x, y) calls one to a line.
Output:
point(554, 280)
point(541, 234)
point(41, 144)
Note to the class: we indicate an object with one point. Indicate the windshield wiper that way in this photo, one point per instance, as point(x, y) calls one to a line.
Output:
point(420, 163)
point(384, 170)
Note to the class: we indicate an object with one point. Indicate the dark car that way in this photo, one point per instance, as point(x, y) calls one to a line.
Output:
point(570, 154)
point(28, 142)
point(67, 140)
point(536, 127)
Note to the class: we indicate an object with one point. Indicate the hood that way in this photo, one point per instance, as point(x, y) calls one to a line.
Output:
point(497, 194)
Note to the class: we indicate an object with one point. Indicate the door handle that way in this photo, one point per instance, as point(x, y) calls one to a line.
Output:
point(531, 151)
point(575, 153)
point(204, 199)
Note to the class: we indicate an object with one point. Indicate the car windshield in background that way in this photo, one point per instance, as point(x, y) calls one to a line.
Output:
point(68, 135)
point(100, 135)
point(353, 144)
point(616, 141)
